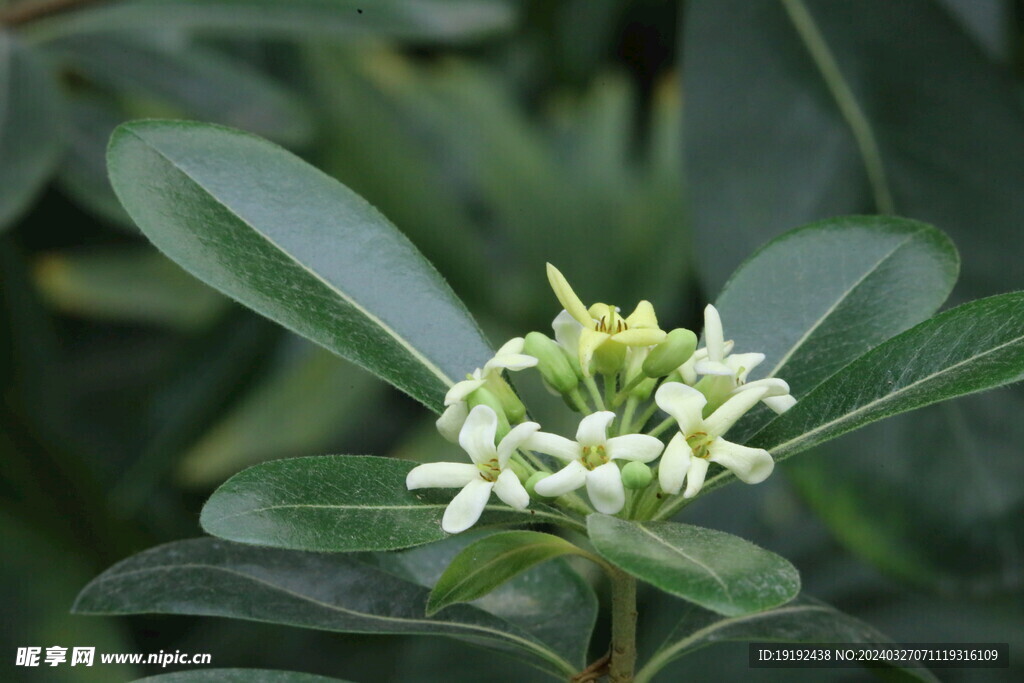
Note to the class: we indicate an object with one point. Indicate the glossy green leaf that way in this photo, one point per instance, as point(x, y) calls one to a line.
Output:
point(491, 561)
point(414, 19)
point(195, 80)
point(266, 228)
point(30, 135)
point(127, 285)
point(337, 503)
point(328, 592)
point(803, 620)
point(715, 570)
point(973, 347)
point(237, 676)
point(551, 601)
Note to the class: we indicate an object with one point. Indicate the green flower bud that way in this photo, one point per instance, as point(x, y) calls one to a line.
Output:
point(667, 356)
point(485, 398)
point(532, 482)
point(514, 408)
point(609, 357)
point(644, 390)
point(552, 362)
point(636, 475)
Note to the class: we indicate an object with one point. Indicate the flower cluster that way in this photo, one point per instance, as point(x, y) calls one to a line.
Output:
point(703, 391)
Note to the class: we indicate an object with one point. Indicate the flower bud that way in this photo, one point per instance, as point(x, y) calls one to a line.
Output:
point(552, 362)
point(636, 475)
point(667, 356)
point(608, 357)
point(531, 483)
point(483, 397)
point(515, 411)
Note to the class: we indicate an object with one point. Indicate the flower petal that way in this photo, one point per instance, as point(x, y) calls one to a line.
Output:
point(515, 438)
point(569, 478)
point(682, 402)
point(467, 506)
point(726, 415)
point(675, 462)
point(750, 465)
point(460, 390)
point(511, 490)
point(695, 477)
point(640, 336)
point(451, 421)
point(779, 404)
point(511, 361)
point(742, 363)
point(589, 341)
point(567, 331)
point(711, 367)
point(442, 475)
point(568, 298)
point(593, 429)
point(553, 444)
point(642, 316)
point(604, 488)
point(773, 386)
point(513, 345)
point(477, 435)
point(714, 338)
point(640, 447)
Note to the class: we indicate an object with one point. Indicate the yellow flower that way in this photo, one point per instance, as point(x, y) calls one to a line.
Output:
point(604, 333)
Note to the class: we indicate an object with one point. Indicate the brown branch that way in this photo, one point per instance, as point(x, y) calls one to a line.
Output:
point(595, 671)
point(26, 12)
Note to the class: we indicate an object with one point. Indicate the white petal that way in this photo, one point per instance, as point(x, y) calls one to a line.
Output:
point(750, 465)
point(460, 390)
point(718, 422)
point(604, 488)
point(513, 345)
point(675, 462)
point(710, 367)
point(553, 444)
point(773, 386)
point(567, 331)
point(477, 435)
point(682, 402)
point(779, 404)
point(714, 338)
point(569, 478)
point(634, 447)
point(742, 363)
point(451, 421)
point(695, 477)
point(511, 490)
point(467, 506)
point(441, 475)
point(513, 440)
point(593, 429)
point(511, 361)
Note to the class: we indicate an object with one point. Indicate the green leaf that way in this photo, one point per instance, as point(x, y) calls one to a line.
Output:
point(30, 135)
point(803, 620)
point(261, 225)
point(295, 19)
point(491, 561)
point(973, 347)
point(237, 676)
point(715, 570)
point(210, 577)
point(337, 503)
point(195, 80)
point(551, 601)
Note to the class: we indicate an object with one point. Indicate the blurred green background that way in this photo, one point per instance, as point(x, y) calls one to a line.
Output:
point(644, 147)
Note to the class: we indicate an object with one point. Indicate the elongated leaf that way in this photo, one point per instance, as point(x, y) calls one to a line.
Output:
point(337, 503)
point(491, 561)
point(551, 601)
point(973, 347)
point(264, 227)
point(194, 80)
point(421, 19)
point(803, 620)
point(237, 676)
point(327, 592)
point(715, 570)
point(29, 127)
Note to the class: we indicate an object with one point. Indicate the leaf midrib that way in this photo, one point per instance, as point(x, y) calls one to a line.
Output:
point(709, 570)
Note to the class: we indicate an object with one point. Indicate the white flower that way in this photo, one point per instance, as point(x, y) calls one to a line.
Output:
point(488, 471)
point(509, 357)
point(700, 441)
point(589, 460)
point(717, 360)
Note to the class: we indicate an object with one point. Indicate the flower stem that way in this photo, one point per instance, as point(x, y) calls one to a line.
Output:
point(627, 416)
point(623, 650)
point(665, 424)
point(595, 393)
point(646, 416)
point(577, 400)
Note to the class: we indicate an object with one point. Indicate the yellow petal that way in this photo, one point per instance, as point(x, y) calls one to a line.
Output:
point(568, 298)
point(639, 336)
point(589, 341)
point(643, 316)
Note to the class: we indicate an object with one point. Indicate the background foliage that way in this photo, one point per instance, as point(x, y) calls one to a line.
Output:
point(496, 136)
